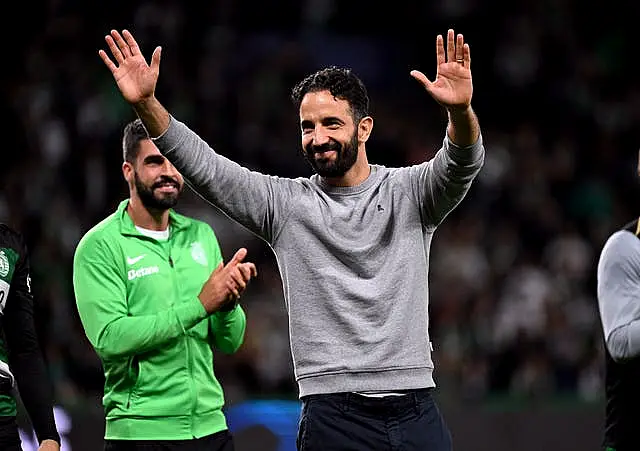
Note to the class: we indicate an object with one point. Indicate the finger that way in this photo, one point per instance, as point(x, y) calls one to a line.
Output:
point(238, 278)
point(460, 49)
point(131, 42)
point(440, 56)
point(249, 270)
point(451, 46)
point(115, 51)
point(422, 78)
point(467, 56)
point(245, 271)
point(107, 61)
point(124, 47)
point(238, 257)
point(155, 59)
point(231, 286)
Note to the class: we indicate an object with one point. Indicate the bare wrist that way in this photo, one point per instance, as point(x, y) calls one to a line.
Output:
point(462, 111)
point(153, 115)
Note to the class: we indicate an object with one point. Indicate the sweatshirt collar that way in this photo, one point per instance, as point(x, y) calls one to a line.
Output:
point(347, 190)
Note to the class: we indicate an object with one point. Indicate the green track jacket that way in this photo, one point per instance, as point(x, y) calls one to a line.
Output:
point(137, 300)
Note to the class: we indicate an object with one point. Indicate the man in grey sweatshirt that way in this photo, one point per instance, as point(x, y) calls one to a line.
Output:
point(352, 243)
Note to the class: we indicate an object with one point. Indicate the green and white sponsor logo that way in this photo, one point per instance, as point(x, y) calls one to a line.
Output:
point(8, 259)
point(142, 272)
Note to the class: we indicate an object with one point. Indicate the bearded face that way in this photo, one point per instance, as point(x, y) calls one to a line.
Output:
point(333, 158)
point(161, 194)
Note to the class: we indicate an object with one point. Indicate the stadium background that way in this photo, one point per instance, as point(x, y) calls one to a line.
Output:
point(514, 321)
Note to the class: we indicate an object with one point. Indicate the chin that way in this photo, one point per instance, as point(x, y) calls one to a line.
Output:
point(331, 174)
point(167, 202)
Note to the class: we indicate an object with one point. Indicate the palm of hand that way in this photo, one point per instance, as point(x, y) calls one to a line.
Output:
point(135, 79)
point(453, 86)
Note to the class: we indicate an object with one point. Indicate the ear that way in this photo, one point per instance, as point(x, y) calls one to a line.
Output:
point(364, 128)
point(127, 172)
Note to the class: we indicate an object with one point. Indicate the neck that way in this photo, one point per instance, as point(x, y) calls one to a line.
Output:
point(149, 219)
point(357, 174)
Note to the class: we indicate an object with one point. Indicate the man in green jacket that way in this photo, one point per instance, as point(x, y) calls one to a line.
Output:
point(154, 299)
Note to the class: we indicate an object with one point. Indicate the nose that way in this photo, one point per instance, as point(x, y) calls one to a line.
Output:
point(169, 169)
point(319, 137)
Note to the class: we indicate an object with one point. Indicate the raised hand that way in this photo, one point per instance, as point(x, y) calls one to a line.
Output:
point(452, 87)
point(135, 78)
point(226, 283)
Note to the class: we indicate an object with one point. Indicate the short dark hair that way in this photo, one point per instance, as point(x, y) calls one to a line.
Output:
point(341, 83)
point(134, 132)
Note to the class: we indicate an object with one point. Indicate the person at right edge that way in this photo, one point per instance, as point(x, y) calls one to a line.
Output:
point(618, 288)
point(352, 243)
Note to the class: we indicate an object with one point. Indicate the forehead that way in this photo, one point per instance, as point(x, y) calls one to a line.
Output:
point(321, 104)
point(147, 148)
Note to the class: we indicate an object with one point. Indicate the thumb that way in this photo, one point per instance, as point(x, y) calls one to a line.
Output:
point(155, 58)
point(422, 78)
point(238, 257)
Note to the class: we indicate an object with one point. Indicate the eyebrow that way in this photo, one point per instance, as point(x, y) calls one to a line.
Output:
point(154, 159)
point(324, 121)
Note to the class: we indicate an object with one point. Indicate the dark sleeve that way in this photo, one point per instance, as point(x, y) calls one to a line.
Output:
point(25, 357)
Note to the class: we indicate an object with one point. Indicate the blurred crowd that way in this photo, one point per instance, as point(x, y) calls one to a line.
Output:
point(512, 279)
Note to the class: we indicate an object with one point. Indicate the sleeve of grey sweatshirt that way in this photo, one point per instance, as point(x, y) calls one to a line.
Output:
point(619, 294)
point(255, 200)
point(441, 183)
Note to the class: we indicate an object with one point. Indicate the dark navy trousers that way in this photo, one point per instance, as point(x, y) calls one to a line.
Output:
point(352, 422)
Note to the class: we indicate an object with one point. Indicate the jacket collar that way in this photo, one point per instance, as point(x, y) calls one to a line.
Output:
point(127, 227)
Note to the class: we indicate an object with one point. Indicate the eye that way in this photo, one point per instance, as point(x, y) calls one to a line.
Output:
point(154, 161)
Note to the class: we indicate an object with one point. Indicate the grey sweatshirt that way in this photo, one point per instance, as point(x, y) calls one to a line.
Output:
point(354, 260)
point(619, 294)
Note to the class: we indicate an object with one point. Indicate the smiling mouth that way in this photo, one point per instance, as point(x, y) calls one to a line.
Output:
point(324, 154)
point(167, 187)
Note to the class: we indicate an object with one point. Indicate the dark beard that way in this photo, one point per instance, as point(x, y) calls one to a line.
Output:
point(153, 202)
point(346, 156)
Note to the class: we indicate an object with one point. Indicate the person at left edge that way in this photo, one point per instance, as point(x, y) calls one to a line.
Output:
point(21, 362)
point(154, 298)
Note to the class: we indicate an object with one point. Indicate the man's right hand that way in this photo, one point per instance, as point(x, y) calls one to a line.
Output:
point(135, 78)
point(226, 283)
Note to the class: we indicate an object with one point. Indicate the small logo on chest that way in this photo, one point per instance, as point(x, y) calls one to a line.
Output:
point(198, 254)
point(134, 260)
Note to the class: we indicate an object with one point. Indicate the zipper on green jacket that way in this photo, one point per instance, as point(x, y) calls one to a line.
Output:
point(133, 382)
point(187, 339)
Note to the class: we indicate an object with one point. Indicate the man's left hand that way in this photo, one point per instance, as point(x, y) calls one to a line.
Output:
point(452, 87)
